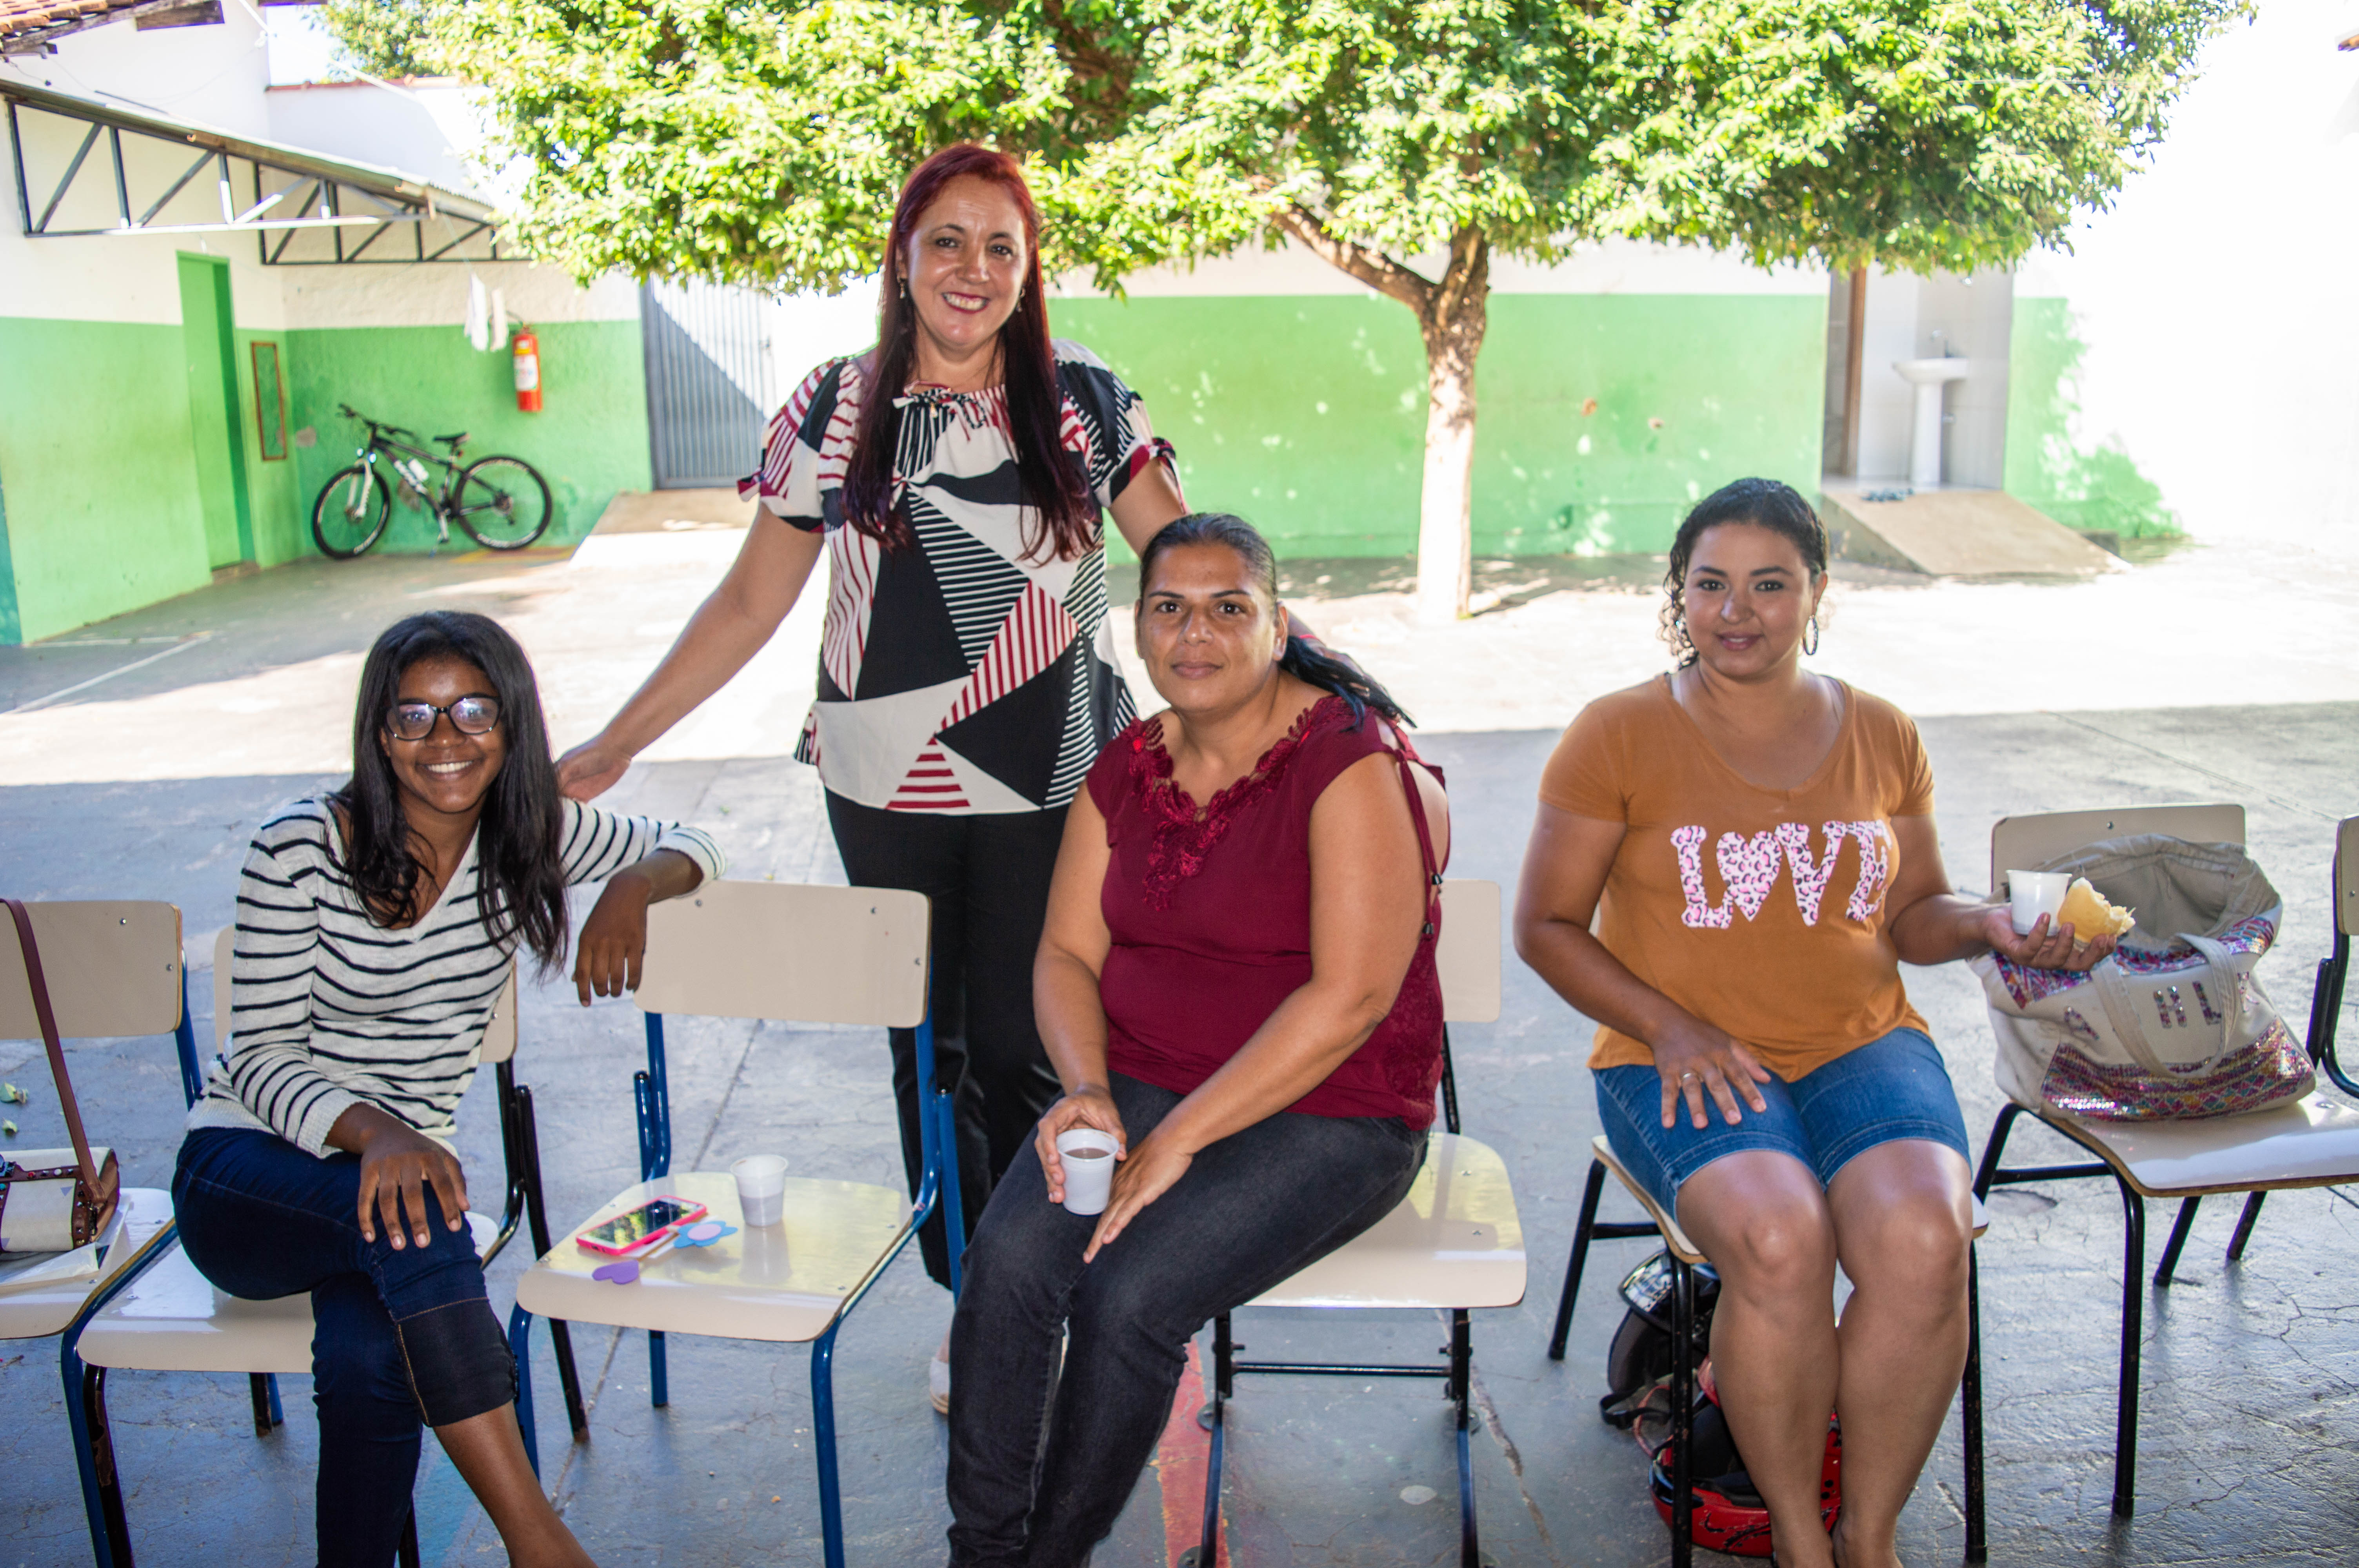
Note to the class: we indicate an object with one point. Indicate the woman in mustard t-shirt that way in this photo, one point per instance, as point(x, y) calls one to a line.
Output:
point(1756, 844)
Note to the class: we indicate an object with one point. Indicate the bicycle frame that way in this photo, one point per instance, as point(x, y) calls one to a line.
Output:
point(437, 500)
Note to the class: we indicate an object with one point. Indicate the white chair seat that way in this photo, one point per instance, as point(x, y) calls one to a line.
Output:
point(2311, 1141)
point(1454, 1241)
point(782, 1283)
point(173, 1319)
point(140, 1216)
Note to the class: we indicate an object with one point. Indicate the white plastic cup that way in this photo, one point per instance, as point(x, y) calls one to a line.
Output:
point(2035, 893)
point(1087, 1155)
point(761, 1187)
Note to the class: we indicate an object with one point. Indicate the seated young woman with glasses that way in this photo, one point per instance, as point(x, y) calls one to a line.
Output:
point(376, 929)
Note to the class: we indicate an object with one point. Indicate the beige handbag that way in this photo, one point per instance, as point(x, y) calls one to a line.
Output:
point(53, 1199)
point(2174, 1025)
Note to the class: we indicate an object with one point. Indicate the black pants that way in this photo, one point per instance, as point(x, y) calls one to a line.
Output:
point(988, 878)
point(1254, 1208)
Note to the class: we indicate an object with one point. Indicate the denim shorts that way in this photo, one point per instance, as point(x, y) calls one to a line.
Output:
point(1888, 1089)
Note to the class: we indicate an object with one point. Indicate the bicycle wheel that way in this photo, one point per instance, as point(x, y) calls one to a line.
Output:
point(351, 512)
point(502, 502)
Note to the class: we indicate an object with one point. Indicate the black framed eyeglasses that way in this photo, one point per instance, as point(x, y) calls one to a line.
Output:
point(469, 715)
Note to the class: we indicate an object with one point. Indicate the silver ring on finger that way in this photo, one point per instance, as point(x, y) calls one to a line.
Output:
point(1688, 1078)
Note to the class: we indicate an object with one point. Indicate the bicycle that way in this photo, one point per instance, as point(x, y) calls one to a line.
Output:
point(500, 502)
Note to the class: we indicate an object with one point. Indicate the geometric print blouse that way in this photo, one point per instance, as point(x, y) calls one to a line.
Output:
point(963, 676)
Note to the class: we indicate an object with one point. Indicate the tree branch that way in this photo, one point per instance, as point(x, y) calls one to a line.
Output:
point(1372, 267)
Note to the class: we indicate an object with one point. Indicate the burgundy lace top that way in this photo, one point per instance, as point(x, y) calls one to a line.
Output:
point(1211, 919)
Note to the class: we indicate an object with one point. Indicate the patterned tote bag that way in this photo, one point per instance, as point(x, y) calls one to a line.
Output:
point(2174, 1024)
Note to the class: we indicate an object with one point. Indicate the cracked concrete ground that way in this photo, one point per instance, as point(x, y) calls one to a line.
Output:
point(148, 783)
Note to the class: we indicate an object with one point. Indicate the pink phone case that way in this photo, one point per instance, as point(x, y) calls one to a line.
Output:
point(696, 1211)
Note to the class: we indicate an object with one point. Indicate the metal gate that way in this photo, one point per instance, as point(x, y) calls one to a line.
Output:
point(709, 386)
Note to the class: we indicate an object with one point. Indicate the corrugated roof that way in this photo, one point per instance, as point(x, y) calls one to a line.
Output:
point(25, 23)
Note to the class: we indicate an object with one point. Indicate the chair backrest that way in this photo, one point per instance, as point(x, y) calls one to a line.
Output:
point(2346, 876)
point(787, 950)
point(499, 1035)
point(113, 967)
point(1468, 954)
point(2019, 843)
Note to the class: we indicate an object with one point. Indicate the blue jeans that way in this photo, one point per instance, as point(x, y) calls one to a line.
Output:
point(1252, 1210)
point(399, 1337)
point(1888, 1089)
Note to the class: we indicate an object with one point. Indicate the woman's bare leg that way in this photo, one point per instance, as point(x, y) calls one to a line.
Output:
point(1903, 1221)
point(488, 1451)
point(1763, 1220)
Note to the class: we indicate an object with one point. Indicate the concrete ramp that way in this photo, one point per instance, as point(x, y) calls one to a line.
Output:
point(1956, 532)
point(673, 512)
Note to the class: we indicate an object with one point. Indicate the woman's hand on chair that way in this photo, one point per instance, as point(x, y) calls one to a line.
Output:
point(1092, 1106)
point(1698, 1060)
point(1150, 1170)
point(614, 937)
point(2042, 947)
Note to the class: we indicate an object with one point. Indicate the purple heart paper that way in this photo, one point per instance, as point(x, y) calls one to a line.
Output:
point(618, 1273)
point(706, 1233)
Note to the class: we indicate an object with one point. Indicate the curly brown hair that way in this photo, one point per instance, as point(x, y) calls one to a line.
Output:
point(1763, 504)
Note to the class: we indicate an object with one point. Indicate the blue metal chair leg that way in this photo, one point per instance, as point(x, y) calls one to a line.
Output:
point(520, 1347)
point(830, 1500)
point(93, 1451)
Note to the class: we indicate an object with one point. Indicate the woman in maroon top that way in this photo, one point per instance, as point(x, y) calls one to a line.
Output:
point(1242, 992)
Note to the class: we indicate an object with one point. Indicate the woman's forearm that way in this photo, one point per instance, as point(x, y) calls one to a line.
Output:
point(667, 873)
point(718, 641)
point(1940, 927)
point(1071, 1019)
point(1309, 1034)
point(1585, 972)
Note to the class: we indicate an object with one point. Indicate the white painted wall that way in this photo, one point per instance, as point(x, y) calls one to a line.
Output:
point(2218, 299)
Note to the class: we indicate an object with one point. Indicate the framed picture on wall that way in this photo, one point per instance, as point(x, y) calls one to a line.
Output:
point(269, 403)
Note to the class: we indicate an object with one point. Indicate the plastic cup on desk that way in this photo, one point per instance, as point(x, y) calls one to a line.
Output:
point(761, 1187)
point(2033, 893)
point(1087, 1155)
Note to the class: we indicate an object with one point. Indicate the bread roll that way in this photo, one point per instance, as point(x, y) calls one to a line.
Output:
point(2089, 916)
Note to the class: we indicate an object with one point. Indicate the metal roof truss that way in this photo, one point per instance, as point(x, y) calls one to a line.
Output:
point(299, 217)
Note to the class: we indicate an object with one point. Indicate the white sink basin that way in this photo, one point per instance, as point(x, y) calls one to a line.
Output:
point(1929, 376)
point(1933, 372)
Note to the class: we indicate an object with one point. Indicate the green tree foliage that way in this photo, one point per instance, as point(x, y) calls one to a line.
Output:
point(1403, 141)
point(384, 37)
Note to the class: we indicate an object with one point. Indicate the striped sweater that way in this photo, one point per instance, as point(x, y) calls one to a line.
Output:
point(330, 1009)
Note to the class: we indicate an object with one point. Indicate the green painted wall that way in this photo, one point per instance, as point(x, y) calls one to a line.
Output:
point(589, 440)
point(103, 515)
point(2081, 485)
point(216, 432)
point(280, 511)
point(1307, 415)
point(12, 628)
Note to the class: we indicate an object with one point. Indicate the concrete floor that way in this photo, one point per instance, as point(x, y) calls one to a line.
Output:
point(148, 782)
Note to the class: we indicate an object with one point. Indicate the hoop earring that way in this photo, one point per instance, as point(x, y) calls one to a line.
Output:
point(1811, 636)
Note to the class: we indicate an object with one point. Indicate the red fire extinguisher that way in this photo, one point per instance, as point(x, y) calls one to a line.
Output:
point(528, 371)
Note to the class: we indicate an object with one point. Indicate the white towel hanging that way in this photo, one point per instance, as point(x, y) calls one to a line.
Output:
point(499, 320)
point(479, 325)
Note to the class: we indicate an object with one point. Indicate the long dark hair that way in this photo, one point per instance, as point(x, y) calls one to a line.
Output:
point(1303, 659)
point(1763, 504)
point(519, 874)
point(1045, 472)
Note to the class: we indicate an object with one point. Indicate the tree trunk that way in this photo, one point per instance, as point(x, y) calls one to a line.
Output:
point(1452, 325)
point(1451, 315)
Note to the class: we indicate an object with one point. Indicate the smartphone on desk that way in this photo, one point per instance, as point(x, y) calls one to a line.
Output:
point(635, 1229)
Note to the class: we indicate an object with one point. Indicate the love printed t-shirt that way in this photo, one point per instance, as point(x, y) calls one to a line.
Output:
point(1760, 911)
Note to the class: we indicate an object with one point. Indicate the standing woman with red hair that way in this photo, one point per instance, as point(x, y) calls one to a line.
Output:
point(956, 476)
